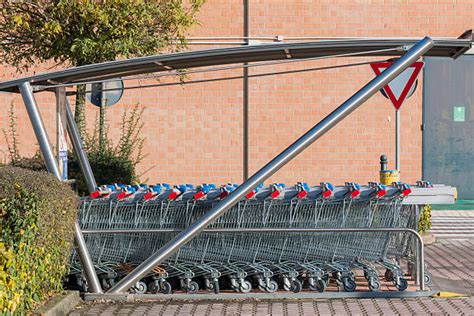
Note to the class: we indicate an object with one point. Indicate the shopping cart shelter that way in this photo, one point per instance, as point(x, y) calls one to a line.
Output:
point(253, 236)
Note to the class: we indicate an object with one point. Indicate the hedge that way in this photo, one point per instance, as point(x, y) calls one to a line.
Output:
point(37, 214)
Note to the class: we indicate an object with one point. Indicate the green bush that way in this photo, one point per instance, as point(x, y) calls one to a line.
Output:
point(112, 162)
point(35, 163)
point(37, 214)
point(424, 224)
point(107, 167)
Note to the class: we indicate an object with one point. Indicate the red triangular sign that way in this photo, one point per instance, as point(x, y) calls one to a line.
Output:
point(397, 90)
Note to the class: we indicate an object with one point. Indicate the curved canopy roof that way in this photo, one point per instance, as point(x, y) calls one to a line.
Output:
point(242, 54)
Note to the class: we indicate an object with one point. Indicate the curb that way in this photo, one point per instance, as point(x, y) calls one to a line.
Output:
point(60, 305)
point(235, 297)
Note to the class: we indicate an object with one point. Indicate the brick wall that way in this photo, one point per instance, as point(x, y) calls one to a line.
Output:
point(194, 132)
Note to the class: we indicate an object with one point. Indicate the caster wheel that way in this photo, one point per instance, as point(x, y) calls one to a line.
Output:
point(402, 284)
point(349, 285)
point(152, 288)
point(165, 287)
point(216, 287)
point(296, 286)
point(428, 278)
point(245, 287)
point(272, 287)
point(326, 279)
point(388, 275)
point(193, 287)
point(105, 284)
point(140, 287)
point(319, 285)
point(374, 284)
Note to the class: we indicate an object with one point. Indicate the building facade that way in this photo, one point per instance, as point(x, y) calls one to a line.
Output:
point(194, 132)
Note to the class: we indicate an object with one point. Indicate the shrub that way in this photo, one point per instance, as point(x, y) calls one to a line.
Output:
point(424, 224)
point(37, 214)
point(113, 162)
point(35, 163)
point(107, 168)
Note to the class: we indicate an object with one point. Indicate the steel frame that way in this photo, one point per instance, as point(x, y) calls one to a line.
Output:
point(415, 52)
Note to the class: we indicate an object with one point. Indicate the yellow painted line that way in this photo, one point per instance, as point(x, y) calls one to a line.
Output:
point(447, 295)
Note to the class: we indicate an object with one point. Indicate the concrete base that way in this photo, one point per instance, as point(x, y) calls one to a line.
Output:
point(254, 296)
point(60, 305)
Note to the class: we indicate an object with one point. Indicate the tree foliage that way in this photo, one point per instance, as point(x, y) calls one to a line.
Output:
point(82, 32)
point(115, 161)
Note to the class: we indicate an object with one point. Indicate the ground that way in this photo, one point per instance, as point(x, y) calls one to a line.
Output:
point(451, 257)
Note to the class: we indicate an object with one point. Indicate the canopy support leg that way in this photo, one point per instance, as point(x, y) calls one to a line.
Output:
point(52, 166)
point(78, 146)
point(38, 127)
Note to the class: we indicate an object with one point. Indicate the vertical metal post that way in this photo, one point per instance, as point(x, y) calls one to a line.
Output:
point(38, 127)
point(397, 140)
point(58, 123)
point(103, 109)
point(61, 131)
point(274, 165)
point(78, 146)
point(245, 96)
point(86, 261)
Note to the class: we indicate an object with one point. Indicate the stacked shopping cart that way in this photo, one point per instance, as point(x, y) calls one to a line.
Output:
point(124, 225)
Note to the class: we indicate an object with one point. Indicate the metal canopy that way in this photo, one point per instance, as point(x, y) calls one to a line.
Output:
point(242, 54)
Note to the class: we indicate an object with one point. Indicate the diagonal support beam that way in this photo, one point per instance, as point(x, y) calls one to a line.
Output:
point(79, 149)
point(52, 166)
point(76, 140)
point(274, 165)
point(38, 127)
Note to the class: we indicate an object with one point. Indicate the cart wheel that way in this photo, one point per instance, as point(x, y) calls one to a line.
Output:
point(140, 287)
point(388, 275)
point(245, 287)
point(152, 288)
point(428, 278)
point(105, 284)
point(272, 286)
point(320, 286)
point(326, 279)
point(349, 285)
point(374, 284)
point(165, 287)
point(193, 287)
point(216, 286)
point(235, 288)
point(296, 286)
point(81, 284)
point(402, 284)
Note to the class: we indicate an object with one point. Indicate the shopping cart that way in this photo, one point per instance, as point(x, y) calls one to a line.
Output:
point(153, 215)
